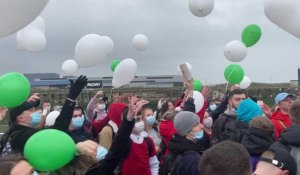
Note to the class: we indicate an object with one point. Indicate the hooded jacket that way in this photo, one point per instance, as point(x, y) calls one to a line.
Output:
point(280, 122)
point(290, 137)
point(257, 141)
point(191, 152)
point(166, 131)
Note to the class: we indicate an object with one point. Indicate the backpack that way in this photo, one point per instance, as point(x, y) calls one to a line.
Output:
point(5, 147)
point(172, 163)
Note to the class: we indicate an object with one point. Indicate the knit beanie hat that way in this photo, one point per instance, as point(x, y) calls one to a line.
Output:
point(247, 110)
point(185, 121)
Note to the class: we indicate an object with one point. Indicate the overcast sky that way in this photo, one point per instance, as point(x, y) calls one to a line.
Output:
point(175, 35)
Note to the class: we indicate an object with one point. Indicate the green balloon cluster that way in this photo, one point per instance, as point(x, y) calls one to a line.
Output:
point(251, 35)
point(197, 85)
point(234, 73)
point(114, 64)
point(14, 89)
point(49, 150)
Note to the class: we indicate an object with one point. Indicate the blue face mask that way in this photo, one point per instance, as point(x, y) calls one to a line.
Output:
point(199, 135)
point(35, 119)
point(150, 120)
point(101, 153)
point(213, 107)
point(77, 122)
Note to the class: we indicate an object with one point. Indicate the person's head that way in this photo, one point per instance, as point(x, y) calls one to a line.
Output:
point(263, 123)
point(169, 115)
point(101, 105)
point(115, 113)
point(139, 125)
point(188, 124)
point(235, 97)
point(26, 114)
point(276, 161)
point(77, 119)
point(248, 110)
point(284, 101)
point(207, 120)
point(15, 165)
point(295, 111)
point(226, 158)
point(147, 116)
point(171, 105)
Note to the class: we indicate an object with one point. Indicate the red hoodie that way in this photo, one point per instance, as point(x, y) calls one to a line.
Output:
point(166, 130)
point(280, 122)
point(115, 113)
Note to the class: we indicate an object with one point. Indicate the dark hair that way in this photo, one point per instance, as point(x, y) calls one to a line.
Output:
point(7, 163)
point(237, 92)
point(226, 158)
point(295, 111)
point(164, 108)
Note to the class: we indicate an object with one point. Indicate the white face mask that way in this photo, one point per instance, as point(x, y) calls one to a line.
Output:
point(208, 122)
point(139, 127)
point(101, 107)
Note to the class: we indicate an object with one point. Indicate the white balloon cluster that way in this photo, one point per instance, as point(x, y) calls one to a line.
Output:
point(32, 37)
point(16, 14)
point(92, 49)
point(124, 73)
point(285, 14)
point(140, 42)
point(201, 8)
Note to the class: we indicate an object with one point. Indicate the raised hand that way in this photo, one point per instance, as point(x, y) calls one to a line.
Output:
point(2, 113)
point(205, 92)
point(88, 148)
point(267, 110)
point(77, 87)
point(34, 97)
point(99, 94)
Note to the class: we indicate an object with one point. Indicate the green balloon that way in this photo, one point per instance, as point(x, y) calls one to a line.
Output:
point(114, 64)
point(14, 89)
point(49, 150)
point(251, 35)
point(197, 85)
point(234, 73)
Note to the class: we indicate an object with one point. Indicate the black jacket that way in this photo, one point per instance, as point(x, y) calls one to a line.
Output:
point(190, 151)
point(117, 151)
point(23, 133)
point(290, 136)
point(80, 135)
point(256, 141)
point(220, 109)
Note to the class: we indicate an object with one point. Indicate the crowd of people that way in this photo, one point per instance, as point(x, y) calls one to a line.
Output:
point(231, 136)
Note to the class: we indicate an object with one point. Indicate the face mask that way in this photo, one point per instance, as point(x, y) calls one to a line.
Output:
point(199, 135)
point(213, 107)
point(208, 122)
point(139, 127)
point(35, 119)
point(150, 120)
point(101, 107)
point(178, 109)
point(101, 153)
point(35, 173)
point(77, 122)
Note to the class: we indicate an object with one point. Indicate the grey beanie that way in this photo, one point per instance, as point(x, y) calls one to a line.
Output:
point(185, 121)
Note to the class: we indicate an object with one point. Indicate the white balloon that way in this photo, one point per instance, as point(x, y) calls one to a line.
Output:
point(16, 14)
point(31, 40)
point(198, 101)
point(69, 66)
point(109, 44)
point(246, 82)
point(140, 42)
point(201, 8)
point(38, 24)
point(285, 14)
point(124, 73)
point(179, 70)
point(92, 49)
point(51, 117)
point(235, 51)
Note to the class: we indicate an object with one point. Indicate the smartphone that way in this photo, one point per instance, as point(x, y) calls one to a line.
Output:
point(185, 72)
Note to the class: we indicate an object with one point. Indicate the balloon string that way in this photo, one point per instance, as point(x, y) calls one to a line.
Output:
point(228, 80)
point(111, 94)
